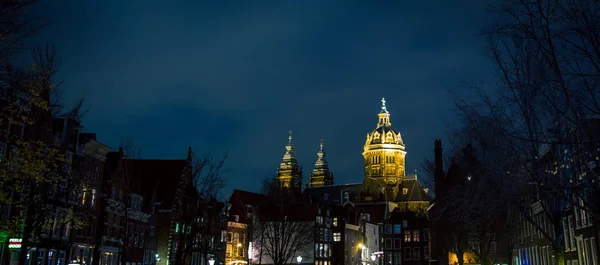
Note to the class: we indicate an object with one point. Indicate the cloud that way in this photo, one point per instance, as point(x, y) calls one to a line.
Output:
point(238, 77)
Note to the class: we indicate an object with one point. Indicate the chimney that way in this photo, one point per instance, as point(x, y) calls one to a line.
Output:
point(439, 166)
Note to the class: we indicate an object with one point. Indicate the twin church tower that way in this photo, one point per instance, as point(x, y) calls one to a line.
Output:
point(384, 155)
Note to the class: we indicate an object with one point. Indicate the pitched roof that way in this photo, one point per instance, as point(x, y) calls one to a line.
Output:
point(414, 191)
point(155, 180)
point(331, 194)
point(268, 208)
point(377, 210)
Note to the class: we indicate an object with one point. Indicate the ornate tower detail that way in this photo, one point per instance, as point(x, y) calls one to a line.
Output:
point(321, 176)
point(383, 154)
point(289, 173)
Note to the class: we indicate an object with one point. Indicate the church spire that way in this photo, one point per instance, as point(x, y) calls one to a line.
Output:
point(289, 153)
point(289, 173)
point(321, 175)
point(384, 115)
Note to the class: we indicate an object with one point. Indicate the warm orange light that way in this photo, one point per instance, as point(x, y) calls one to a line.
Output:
point(239, 244)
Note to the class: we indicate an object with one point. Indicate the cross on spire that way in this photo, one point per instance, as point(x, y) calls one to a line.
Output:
point(383, 107)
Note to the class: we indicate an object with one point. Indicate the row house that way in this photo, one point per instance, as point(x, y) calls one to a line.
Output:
point(92, 155)
point(405, 239)
point(247, 211)
point(355, 235)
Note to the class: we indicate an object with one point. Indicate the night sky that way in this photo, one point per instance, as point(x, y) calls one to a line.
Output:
point(237, 76)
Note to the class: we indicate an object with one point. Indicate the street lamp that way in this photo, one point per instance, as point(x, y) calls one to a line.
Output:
point(299, 259)
point(211, 261)
point(373, 257)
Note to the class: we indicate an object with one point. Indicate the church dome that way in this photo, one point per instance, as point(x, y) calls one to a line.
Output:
point(384, 136)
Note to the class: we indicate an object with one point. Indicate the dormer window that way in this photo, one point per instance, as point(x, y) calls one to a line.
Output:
point(346, 196)
point(405, 191)
point(136, 202)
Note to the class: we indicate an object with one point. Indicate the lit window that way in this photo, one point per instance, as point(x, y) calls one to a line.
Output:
point(334, 221)
point(337, 237)
point(397, 229)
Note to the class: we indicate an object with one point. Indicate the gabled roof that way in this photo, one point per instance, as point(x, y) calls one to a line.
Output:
point(268, 208)
point(333, 194)
point(414, 191)
point(377, 210)
point(155, 180)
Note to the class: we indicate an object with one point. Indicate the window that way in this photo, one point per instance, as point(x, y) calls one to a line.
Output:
point(416, 253)
point(326, 196)
point(337, 237)
point(407, 253)
point(416, 235)
point(407, 235)
point(40, 256)
point(397, 258)
point(426, 253)
point(96, 172)
point(51, 256)
point(93, 200)
point(388, 258)
point(388, 243)
point(229, 236)
point(334, 221)
point(228, 251)
point(405, 191)
point(388, 228)
point(404, 223)
point(425, 234)
point(61, 258)
point(397, 243)
point(397, 229)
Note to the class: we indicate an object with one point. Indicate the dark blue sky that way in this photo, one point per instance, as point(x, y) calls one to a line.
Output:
point(236, 76)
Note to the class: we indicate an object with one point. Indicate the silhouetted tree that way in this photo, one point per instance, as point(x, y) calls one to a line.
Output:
point(277, 235)
point(202, 219)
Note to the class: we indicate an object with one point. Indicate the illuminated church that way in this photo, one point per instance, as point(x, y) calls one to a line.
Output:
point(385, 186)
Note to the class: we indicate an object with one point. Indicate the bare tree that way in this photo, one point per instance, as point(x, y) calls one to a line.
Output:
point(547, 60)
point(39, 181)
point(277, 232)
point(202, 218)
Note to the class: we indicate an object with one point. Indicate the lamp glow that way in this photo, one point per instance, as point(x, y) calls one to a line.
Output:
point(373, 257)
point(211, 261)
point(299, 259)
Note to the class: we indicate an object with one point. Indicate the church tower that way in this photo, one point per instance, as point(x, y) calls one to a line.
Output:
point(289, 173)
point(321, 176)
point(383, 154)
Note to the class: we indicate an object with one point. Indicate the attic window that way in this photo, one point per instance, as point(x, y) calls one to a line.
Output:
point(326, 196)
point(405, 191)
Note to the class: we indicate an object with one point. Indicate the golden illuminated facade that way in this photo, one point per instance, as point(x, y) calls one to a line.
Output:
point(289, 173)
point(384, 154)
point(321, 175)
